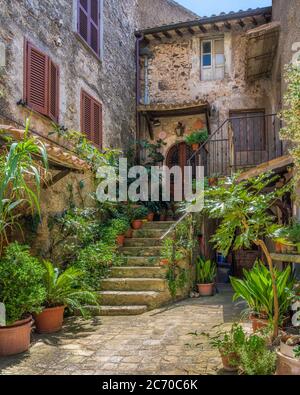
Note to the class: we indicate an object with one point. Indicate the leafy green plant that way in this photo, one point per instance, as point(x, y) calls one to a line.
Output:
point(297, 352)
point(95, 262)
point(255, 357)
point(170, 250)
point(197, 137)
point(256, 289)
point(229, 343)
point(206, 271)
point(139, 213)
point(243, 209)
point(177, 278)
point(65, 289)
point(17, 172)
point(21, 288)
point(154, 156)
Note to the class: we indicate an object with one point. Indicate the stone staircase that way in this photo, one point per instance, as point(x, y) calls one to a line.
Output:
point(140, 285)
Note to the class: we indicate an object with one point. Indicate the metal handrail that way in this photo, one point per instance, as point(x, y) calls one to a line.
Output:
point(174, 226)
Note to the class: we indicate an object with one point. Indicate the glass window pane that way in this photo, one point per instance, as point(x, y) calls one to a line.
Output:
point(219, 60)
point(206, 60)
point(207, 47)
point(219, 46)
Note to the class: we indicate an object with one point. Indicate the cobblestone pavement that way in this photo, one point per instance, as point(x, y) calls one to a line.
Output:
point(158, 342)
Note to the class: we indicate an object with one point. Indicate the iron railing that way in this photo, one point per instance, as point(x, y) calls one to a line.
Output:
point(239, 144)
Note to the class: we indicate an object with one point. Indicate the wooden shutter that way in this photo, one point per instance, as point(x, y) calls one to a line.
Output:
point(36, 79)
point(91, 119)
point(53, 91)
point(89, 22)
point(83, 19)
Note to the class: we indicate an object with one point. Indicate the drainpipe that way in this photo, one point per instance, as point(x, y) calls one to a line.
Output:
point(146, 95)
point(139, 39)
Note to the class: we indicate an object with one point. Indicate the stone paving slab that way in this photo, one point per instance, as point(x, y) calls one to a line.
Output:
point(158, 342)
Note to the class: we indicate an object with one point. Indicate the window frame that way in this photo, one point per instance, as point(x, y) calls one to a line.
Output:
point(76, 25)
point(213, 54)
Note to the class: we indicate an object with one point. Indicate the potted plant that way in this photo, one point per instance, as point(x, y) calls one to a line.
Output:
point(139, 214)
point(196, 138)
point(62, 290)
point(229, 344)
point(22, 293)
point(206, 272)
point(152, 208)
point(256, 290)
point(118, 228)
point(294, 234)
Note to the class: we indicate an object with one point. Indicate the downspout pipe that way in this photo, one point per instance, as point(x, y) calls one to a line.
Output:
point(139, 39)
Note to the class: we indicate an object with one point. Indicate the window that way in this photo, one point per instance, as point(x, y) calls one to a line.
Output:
point(88, 24)
point(91, 119)
point(212, 59)
point(41, 83)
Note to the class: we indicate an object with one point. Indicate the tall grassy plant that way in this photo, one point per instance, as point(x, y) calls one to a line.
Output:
point(206, 271)
point(18, 168)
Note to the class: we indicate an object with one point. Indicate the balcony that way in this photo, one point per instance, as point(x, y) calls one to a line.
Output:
point(242, 142)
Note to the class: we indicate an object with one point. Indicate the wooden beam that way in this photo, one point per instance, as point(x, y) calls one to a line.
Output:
point(191, 31)
point(150, 126)
point(156, 36)
point(179, 32)
point(286, 258)
point(167, 34)
point(254, 21)
point(56, 178)
point(227, 25)
point(202, 28)
point(241, 23)
point(216, 27)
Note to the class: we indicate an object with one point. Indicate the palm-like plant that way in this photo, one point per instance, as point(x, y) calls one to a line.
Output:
point(256, 289)
point(64, 289)
point(16, 171)
point(206, 271)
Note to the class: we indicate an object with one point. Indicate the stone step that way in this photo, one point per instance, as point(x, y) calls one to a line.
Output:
point(158, 225)
point(148, 233)
point(140, 242)
point(141, 251)
point(138, 272)
point(131, 298)
point(117, 310)
point(134, 284)
point(151, 261)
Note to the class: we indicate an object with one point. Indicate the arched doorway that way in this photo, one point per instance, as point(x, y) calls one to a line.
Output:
point(179, 155)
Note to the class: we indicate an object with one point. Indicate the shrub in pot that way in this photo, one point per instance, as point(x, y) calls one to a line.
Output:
point(138, 215)
point(117, 229)
point(22, 292)
point(206, 272)
point(229, 344)
point(196, 138)
point(256, 289)
point(62, 290)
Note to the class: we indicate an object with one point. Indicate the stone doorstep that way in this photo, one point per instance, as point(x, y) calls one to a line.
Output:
point(141, 251)
point(133, 284)
point(152, 299)
point(143, 242)
point(141, 261)
point(118, 310)
point(158, 225)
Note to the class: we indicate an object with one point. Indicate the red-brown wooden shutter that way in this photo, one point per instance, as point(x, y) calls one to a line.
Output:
point(91, 119)
point(97, 124)
point(53, 91)
point(36, 79)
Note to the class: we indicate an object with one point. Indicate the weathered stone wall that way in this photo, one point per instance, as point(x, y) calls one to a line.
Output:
point(174, 77)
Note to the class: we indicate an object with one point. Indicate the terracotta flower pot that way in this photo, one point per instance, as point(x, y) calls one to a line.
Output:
point(278, 248)
point(164, 262)
point(162, 217)
point(228, 362)
point(150, 217)
point(50, 320)
point(206, 289)
point(15, 339)
point(287, 364)
point(129, 233)
point(137, 224)
point(195, 147)
point(120, 240)
point(258, 323)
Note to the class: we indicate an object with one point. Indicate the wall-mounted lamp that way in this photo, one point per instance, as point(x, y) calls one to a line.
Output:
point(180, 129)
point(156, 123)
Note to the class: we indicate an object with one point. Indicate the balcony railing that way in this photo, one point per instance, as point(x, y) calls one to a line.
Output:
point(240, 143)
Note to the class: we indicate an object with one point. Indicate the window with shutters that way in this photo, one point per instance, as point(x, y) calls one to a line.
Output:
point(91, 119)
point(88, 24)
point(41, 82)
point(212, 59)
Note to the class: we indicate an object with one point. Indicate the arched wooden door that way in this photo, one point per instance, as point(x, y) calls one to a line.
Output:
point(179, 155)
